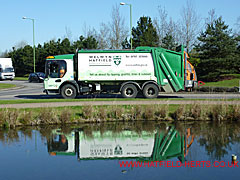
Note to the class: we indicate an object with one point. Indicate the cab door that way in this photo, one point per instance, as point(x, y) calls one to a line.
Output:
point(55, 71)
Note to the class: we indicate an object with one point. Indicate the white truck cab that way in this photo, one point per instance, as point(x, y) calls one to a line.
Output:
point(6, 69)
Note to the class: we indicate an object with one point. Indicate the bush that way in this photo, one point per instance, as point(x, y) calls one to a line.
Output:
point(26, 118)
point(65, 116)
point(47, 116)
point(88, 112)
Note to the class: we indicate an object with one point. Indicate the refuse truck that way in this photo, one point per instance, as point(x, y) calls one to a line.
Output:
point(145, 70)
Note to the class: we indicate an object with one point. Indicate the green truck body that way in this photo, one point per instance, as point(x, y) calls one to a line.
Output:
point(146, 69)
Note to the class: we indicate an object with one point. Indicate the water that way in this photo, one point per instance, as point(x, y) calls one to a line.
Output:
point(98, 151)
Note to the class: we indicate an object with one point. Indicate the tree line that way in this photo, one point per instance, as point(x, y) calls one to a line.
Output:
point(214, 49)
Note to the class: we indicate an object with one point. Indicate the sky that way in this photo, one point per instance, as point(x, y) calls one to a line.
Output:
point(53, 17)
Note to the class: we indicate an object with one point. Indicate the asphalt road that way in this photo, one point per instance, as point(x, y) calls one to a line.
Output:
point(26, 90)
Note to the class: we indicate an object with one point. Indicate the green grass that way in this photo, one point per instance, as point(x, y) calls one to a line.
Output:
point(232, 82)
point(5, 86)
point(23, 101)
point(70, 100)
point(21, 78)
point(225, 83)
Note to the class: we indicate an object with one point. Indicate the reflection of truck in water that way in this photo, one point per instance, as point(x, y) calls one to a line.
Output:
point(151, 146)
point(147, 70)
point(6, 69)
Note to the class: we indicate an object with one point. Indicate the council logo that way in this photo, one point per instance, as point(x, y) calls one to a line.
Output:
point(117, 60)
point(118, 150)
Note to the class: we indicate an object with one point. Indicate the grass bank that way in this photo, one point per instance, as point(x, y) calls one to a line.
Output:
point(21, 78)
point(10, 118)
point(224, 83)
point(6, 86)
point(227, 80)
point(26, 101)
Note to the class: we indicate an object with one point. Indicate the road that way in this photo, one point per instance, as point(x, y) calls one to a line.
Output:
point(26, 90)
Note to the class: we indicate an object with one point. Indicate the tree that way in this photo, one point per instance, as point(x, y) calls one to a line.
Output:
point(103, 36)
point(216, 41)
point(86, 43)
point(189, 25)
point(168, 42)
point(117, 28)
point(145, 34)
point(217, 51)
point(211, 17)
point(22, 56)
point(126, 44)
point(161, 24)
point(167, 29)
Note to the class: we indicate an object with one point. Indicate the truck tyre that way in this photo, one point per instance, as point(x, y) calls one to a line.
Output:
point(150, 91)
point(129, 91)
point(68, 91)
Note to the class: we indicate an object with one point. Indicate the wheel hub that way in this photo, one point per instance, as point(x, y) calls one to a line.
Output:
point(68, 92)
point(129, 92)
point(151, 91)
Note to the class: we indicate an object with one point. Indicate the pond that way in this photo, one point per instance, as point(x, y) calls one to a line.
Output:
point(126, 150)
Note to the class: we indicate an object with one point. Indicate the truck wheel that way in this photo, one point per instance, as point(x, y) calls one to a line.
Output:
point(68, 91)
point(129, 91)
point(150, 91)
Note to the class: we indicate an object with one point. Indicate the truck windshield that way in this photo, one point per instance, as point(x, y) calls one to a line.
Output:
point(55, 69)
point(8, 70)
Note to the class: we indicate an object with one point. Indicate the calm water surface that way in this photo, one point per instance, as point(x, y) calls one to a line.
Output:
point(97, 151)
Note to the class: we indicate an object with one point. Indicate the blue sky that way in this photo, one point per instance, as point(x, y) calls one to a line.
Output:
point(53, 16)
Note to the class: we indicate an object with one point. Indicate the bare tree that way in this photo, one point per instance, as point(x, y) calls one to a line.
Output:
point(174, 30)
point(89, 31)
point(211, 17)
point(68, 34)
point(161, 24)
point(102, 37)
point(3, 54)
point(189, 25)
point(117, 28)
point(166, 26)
point(20, 44)
point(237, 25)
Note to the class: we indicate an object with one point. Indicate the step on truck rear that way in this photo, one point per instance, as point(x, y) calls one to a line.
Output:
point(145, 70)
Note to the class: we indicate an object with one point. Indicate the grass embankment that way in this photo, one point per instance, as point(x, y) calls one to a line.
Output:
point(26, 101)
point(10, 118)
point(227, 83)
point(6, 86)
point(21, 78)
point(231, 80)
point(224, 83)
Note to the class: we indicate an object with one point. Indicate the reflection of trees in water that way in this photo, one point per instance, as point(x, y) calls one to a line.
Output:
point(217, 138)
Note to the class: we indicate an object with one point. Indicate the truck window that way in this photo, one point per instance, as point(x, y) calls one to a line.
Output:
point(8, 70)
point(189, 68)
point(55, 69)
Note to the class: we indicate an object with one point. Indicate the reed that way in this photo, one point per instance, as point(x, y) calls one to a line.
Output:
point(9, 118)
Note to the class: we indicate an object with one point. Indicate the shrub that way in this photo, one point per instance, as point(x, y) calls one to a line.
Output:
point(65, 116)
point(26, 118)
point(88, 112)
point(180, 113)
point(148, 113)
point(161, 112)
point(47, 116)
